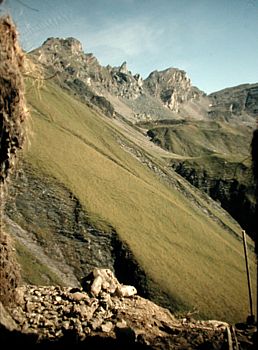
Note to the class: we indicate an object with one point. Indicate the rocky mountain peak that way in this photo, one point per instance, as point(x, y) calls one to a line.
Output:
point(171, 86)
point(70, 44)
point(165, 94)
point(161, 93)
point(83, 73)
point(123, 68)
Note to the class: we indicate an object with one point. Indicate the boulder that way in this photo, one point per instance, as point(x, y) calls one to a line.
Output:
point(104, 280)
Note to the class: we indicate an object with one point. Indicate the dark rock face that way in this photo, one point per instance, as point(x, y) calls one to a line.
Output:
point(240, 101)
point(104, 105)
point(56, 220)
point(236, 197)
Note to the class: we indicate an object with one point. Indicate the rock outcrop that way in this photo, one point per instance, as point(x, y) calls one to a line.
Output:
point(239, 102)
point(104, 280)
point(172, 87)
point(65, 58)
point(13, 114)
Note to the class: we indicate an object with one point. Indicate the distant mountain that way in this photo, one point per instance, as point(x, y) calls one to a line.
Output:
point(160, 96)
point(95, 191)
point(166, 94)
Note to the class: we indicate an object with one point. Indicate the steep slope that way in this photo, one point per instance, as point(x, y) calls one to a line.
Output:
point(228, 180)
point(147, 221)
point(214, 153)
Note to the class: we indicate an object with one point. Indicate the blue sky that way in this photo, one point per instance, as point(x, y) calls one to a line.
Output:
point(214, 41)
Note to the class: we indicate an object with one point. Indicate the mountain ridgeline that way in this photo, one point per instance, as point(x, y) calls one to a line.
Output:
point(120, 174)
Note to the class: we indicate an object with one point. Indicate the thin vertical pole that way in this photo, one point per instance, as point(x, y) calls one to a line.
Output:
point(248, 274)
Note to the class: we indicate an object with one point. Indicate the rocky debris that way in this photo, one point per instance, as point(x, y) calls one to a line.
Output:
point(55, 315)
point(52, 311)
point(52, 315)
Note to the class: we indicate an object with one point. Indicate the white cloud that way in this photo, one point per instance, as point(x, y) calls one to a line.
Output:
point(125, 39)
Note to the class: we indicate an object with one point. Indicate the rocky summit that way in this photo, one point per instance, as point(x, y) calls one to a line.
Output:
point(162, 93)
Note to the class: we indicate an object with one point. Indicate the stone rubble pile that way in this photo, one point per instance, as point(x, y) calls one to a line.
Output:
point(105, 309)
point(51, 311)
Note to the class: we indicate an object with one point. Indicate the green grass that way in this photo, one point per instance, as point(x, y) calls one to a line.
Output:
point(32, 270)
point(178, 246)
point(200, 138)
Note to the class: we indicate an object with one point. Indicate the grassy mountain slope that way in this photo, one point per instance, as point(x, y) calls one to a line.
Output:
point(214, 156)
point(189, 255)
point(198, 138)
